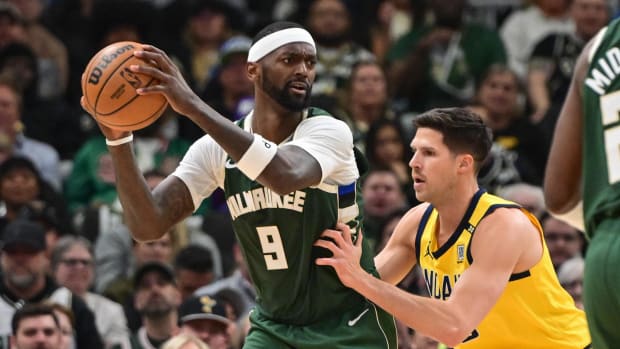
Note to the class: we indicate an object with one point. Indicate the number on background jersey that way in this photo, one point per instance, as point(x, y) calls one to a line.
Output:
point(610, 111)
point(273, 250)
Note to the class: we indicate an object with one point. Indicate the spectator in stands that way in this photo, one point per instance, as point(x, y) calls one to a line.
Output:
point(239, 282)
point(391, 20)
point(193, 268)
point(24, 194)
point(440, 64)
point(386, 146)
point(367, 100)
point(159, 250)
point(51, 53)
point(382, 195)
point(73, 267)
point(35, 326)
point(329, 22)
point(229, 90)
point(66, 321)
point(24, 280)
point(206, 318)
point(208, 27)
point(498, 103)
point(529, 196)
point(553, 58)
point(13, 141)
point(156, 299)
point(523, 29)
point(184, 341)
point(563, 240)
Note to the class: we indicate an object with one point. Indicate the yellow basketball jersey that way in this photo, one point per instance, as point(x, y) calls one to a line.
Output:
point(533, 312)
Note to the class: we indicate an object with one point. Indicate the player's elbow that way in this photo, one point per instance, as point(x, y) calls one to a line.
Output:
point(454, 335)
point(558, 204)
point(145, 232)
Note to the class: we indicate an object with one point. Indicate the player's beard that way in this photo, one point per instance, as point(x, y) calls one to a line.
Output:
point(284, 97)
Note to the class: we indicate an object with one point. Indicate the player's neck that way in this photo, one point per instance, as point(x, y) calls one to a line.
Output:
point(273, 122)
point(453, 206)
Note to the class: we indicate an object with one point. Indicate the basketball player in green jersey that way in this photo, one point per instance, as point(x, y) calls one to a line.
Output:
point(288, 173)
point(484, 259)
point(584, 168)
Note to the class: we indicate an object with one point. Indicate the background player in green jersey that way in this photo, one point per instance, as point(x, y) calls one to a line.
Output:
point(584, 167)
point(288, 173)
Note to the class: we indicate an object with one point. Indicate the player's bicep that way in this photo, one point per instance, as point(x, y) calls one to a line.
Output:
point(292, 167)
point(497, 247)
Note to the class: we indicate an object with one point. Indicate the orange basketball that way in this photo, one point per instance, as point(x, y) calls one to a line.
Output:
point(109, 88)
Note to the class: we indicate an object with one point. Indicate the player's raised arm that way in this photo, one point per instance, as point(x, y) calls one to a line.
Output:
point(282, 169)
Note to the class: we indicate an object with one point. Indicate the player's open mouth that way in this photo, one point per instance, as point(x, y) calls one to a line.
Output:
point(298, 87)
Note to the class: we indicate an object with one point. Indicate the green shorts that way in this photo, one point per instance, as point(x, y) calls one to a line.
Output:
point(601, 285)
point(363, 327)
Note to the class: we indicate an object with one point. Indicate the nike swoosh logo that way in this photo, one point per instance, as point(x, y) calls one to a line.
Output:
point(229, 164)
point(354, 321)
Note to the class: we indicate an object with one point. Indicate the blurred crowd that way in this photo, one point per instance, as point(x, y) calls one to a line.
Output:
point(380, 63)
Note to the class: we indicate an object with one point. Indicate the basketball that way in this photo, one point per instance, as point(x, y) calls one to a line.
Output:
point(109, 89)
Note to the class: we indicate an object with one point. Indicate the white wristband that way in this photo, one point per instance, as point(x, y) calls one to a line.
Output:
point(119, 141)
point(257, 157)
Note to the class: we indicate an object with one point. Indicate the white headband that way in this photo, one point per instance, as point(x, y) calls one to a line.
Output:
point(273, 41)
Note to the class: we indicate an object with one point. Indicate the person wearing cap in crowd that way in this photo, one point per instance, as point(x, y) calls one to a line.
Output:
point(206, 318)
point(229, 91)
point(24, 280)
point(156, 298)
point(288, 172)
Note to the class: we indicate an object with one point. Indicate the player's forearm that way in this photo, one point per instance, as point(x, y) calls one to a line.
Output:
point(139, 209)
point(289, 170)
point(433, 317)
point(232, 138)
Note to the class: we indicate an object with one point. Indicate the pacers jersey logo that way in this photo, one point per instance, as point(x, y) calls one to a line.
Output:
point(460, 253)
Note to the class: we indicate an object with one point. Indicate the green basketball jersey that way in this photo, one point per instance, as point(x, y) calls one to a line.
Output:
point(601, 129)
point(276, 234)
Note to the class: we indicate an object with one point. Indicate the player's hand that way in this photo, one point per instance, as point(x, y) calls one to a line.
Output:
point(109, 133)
point(346, 254)
point(172, 84)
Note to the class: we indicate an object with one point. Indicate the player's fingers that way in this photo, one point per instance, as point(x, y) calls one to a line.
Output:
point(360, 238)
point(153, 54)
point(346, 232)
point(150, 71)
point(325, 261)
point(85, 105)
point(327, 244)
point(336, 236)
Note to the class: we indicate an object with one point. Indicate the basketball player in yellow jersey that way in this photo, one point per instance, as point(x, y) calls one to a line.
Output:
point(484, 259)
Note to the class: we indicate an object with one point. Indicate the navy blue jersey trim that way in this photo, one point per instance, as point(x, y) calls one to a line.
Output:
point(519, 276)
point(420, 232)
point(490, 210)
point(462, 225)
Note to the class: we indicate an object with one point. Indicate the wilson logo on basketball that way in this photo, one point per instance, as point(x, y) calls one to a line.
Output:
point(97, 71)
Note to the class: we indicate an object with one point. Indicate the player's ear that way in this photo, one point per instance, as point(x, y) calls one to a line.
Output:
point(465, 162)
point(252, 71)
